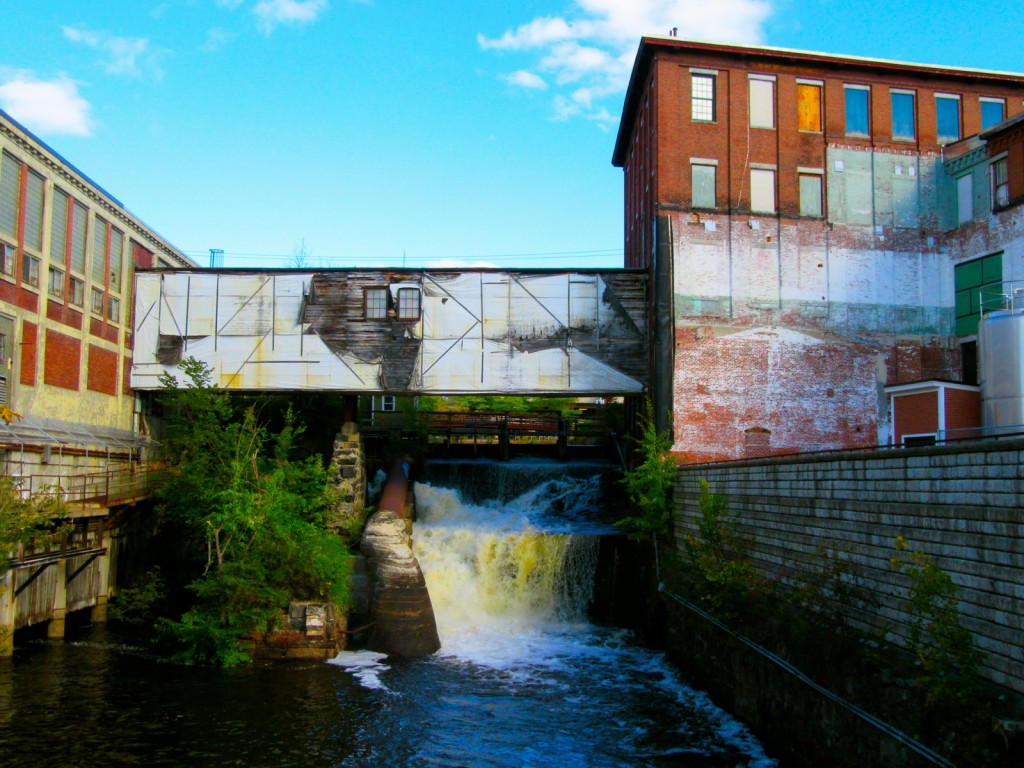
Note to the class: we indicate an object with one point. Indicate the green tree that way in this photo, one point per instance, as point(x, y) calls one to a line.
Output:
point(251, 515)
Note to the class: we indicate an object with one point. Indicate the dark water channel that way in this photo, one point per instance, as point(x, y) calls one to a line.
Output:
point(522, 679)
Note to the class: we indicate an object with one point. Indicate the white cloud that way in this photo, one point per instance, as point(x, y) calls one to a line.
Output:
point(591, 49)
point(216, 39)
point(123, 53)
point(46, 106)
point(526, 79)
point(270, 13)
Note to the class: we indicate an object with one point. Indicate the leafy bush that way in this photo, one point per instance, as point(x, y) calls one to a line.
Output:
point(726, 580)
point(253, 519)
point(649, 483)
point(945, 649)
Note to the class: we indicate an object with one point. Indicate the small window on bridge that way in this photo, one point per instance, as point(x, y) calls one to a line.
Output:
point(376, 303)
point(408, 303)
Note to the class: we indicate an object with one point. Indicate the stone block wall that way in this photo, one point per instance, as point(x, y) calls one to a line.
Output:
point(961, 505)
point(349, 462)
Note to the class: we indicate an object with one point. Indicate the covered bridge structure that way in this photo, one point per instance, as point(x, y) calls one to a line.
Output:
point(402, 332)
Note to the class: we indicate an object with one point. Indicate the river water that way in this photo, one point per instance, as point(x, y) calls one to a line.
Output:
point(522, 679)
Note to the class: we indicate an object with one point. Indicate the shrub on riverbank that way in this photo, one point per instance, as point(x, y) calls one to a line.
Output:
point(251, 516)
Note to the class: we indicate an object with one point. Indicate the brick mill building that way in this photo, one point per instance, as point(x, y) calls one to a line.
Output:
point(810, 237)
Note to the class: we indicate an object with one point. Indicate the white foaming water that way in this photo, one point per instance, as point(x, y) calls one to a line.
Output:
point(510, 586)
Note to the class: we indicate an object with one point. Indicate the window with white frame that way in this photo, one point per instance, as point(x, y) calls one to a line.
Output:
point(113, 309)
point(702, 97)
point(993, 111)
point(96, 304)
point(762, 190)
point(408, 303)
point(55, 284)
point(904, 122)
point(762, 101)
point(947, 117)
point(387, 403)
point(1000, 183)
point(29, 269)
point(376, 303)
point(76, 291)
point(7, 255)
point(858, 122)
point(702, 183)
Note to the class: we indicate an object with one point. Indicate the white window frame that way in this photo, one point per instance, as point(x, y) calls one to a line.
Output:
point(846, 117)
point(893, 92)
point(955, 97)
point(991, 100)
point(703, 100)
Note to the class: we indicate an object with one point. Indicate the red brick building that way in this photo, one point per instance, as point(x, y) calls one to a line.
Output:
point(790, 205)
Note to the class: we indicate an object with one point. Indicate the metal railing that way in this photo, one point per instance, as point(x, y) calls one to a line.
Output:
point(104, 488)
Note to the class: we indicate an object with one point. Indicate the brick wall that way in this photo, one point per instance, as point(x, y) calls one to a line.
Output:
point(963, 506)
point(916, 414)
point(102, 376)
point(62, 360)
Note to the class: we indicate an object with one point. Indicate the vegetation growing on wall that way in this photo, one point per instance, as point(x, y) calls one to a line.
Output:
point(250, 514)
point(945, 649)
point(649, 482)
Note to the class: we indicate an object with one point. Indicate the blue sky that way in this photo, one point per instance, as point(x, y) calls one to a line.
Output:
point(368, 132)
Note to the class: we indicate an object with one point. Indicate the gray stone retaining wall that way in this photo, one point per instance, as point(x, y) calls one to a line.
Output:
point(961, 505)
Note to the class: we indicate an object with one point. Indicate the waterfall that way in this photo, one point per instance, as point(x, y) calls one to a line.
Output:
point(496, 568)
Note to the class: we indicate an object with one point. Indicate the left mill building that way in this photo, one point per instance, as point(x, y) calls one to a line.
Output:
point(68, 252)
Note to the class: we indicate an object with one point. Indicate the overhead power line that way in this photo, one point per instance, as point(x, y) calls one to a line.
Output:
point(321, 260)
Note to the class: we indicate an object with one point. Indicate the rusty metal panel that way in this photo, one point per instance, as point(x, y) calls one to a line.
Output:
point(482, 331)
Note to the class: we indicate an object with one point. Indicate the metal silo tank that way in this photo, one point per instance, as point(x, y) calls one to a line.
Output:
point(1000, 361)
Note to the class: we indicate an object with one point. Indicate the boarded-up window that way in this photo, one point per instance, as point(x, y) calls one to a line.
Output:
point(34, 212)
point(810, 194)
point(762, 103)
point(808, 107)
point(702, 182)
point(978, 285)
point(10, 186)
point(964, 199)
point(762, 190)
